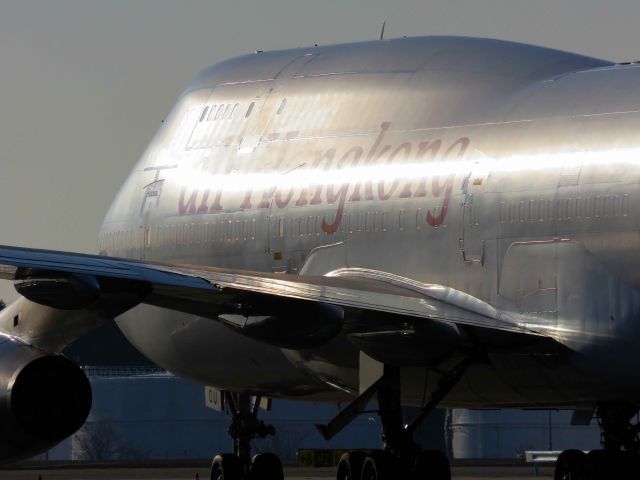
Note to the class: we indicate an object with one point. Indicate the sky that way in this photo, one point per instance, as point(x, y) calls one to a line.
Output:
point(84, 84)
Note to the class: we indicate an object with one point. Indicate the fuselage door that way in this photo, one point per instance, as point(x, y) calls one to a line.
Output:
point(279, 256)
point(474, 223)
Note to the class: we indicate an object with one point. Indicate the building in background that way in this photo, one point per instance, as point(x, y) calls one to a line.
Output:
point(142, 412)
point(509, 433)
point(146, 413)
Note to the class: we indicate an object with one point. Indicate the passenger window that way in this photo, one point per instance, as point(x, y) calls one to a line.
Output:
point(579, 208)
point(607, 208)
point(282, 105)
point(204, 114)
point(217, 231)
point(617, 206)
point(572, 209)
point(521, 212)
point(233, 112)
point(227, 113)
point(532, 208)
point(598, 207)
point(344, 227)
point(250, 109)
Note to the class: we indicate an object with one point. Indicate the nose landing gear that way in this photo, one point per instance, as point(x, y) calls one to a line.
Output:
point(245, 426)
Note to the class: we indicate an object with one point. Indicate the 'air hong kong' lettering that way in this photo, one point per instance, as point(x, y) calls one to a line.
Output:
point(348, 190)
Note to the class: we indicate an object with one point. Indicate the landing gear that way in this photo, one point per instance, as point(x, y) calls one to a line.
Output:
point(245, 426)
point(383, 465)
point(350, 465)
point(227, 467)
point(401, 458)
point(571, 465)
point(620, 455)
point(266, 466)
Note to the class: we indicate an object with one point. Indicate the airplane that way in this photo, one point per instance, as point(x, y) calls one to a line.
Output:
point(433, 221)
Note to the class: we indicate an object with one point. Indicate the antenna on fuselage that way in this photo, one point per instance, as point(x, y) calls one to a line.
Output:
point(382, 31)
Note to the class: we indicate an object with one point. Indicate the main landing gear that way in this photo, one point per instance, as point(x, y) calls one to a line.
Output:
point(245, 426)
point(620, 456)
point(401, 458)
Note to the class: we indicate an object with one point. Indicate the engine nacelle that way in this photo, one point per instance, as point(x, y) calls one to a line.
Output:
point(43, 399)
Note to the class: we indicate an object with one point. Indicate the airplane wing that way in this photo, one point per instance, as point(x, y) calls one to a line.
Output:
point(310, 307)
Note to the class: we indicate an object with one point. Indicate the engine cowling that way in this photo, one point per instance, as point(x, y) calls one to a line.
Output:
point(44, 398)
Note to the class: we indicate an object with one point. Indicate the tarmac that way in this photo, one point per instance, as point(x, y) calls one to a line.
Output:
point(524, 472)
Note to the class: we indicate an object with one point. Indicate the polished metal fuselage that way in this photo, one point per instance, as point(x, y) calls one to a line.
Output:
point(505, 171)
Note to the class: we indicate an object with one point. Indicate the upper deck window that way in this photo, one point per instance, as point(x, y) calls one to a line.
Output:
point(204, 113)
point(250, 109)
point(282, 105)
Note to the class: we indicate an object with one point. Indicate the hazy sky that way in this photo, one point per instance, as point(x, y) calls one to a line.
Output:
point(84, 84)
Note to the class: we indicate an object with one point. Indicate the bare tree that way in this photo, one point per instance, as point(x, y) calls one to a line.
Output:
point(101, 441)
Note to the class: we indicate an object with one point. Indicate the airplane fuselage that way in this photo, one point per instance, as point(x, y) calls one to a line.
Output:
point(456, 162)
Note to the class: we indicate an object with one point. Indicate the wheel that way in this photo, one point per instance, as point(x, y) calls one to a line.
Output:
point(571, 465)
point(350, 466)
point(266, 466)
point(380, 465)
point(226, 467)
point(605, 464)
point(431, 465)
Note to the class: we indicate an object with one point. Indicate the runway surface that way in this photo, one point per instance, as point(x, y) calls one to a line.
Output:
point(202, 473)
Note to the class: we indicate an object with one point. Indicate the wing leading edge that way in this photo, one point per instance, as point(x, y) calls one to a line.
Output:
point(235, 296)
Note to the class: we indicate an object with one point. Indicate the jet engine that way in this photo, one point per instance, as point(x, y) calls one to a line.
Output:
point(44, 398)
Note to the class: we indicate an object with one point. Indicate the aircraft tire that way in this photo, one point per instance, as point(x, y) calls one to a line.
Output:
point(266, 466)
point(571, 465)
point(381, 465)
point(350, 466)
point(604, 465)
point(226, 466)
point(431, 465)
